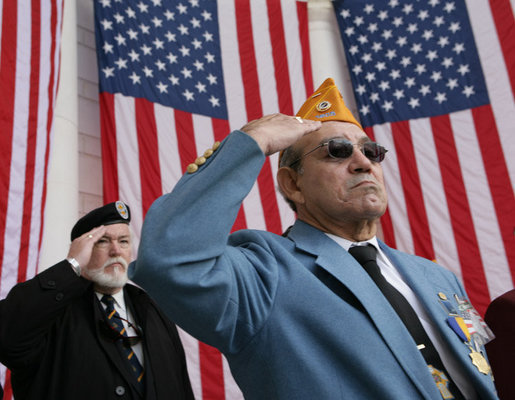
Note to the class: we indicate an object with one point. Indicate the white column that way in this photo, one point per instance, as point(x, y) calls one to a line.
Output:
point(62, 202)
point(327, 54)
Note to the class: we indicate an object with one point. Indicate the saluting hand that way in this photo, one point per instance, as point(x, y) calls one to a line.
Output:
point(276, 132)
point(82, 246)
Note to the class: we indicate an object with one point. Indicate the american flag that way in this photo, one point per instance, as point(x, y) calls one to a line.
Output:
point(434, 82)
point(176, 76)
point(29, 65)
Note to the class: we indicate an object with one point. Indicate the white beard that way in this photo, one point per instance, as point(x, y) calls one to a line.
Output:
point(114, 280)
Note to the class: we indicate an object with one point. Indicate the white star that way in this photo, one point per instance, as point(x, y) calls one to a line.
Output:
point(398, 94)
point(367, 57)
point(436, 76)
point(107, 25)
point(108, 48)
point(345, 13)
point(420, 69)
point(208, 37)
point(458, 48)
point(135, 78)
point(428, 34)
point(432, 55)
point(188, 95)
point(397, 21)
point(210, 58)
point(105, 3)
point(119, 18)
point(388, 105)
point(405, 61)
point(359, 21)
point(198, 65)
point(412, 28)
point(193, 3)
point(212, 79)
point(380, 66)
point(357, 69)
point(144, 28)
point(186, 72)
point(195, 23)
point(416, 48)
point(183, 29)
point(371, 76)
point(108, 72)
point(172, 58)
point(391, 54)
point(382, 15)
point(159, 44)
point(200, 87)
point(197, 44)
point(173, 79)
point(121, 63)
point(372, 28)
point(130, 12)
point(133, 55)
point(387, 34)
point(214, 101)
point(423, 14)
point(362, 39)
point(156, 3)
point(162, 87)
point(157, 22)
point(449, 7)
point(455, 27)
point(184, 51)
point(170, 36)
point(463, 69)
point(434, 3)
point(401, 41)
point(354, 49)
point(452, 83)
point(361, 90)
point(407, 9)
point(120, 39)
point(424, 89)
point(395, 74)
point(440, 97)
point(148, 72)
point(143, 8)
point(438, 21)
point(409, 82)
point(133, 35)
point(468, 91)
point(170, 16)
point(206, 15)
point(414, 102)
point(384, 85)
point(374, 97)
point(393, 3)
point(364, 109)
point(443, 41)
point(377, 46)
point(146, 50)
point(369, 8)
point(349, 31)
point(182, 8)
point(447, 62)
point(161, 66)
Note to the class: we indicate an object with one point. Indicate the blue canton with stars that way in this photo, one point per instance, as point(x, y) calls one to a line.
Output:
point(410, 59)
point(165, 51)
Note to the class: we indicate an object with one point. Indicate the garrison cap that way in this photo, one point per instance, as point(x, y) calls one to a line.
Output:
point(113, 213)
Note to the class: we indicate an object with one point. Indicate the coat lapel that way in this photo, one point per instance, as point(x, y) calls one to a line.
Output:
point(340, 264)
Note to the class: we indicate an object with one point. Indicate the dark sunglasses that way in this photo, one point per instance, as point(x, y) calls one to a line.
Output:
point(343, 148)
point(112, 334)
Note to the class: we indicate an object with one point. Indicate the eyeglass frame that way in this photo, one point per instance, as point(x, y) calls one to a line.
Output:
point(111, 333)
point(341, 158)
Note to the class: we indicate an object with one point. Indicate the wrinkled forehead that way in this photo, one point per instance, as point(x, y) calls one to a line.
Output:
point(331, 130)
point(116, 230)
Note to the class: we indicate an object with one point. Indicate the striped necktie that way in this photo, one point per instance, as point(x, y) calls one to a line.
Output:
point(115, 322)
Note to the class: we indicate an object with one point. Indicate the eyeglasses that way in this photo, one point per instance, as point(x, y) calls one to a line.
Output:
point(112, 334)
point(343, 148)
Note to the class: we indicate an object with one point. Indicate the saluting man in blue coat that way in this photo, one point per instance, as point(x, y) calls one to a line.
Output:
point(297, 316)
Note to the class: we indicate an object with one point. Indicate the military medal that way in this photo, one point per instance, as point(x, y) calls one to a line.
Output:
point(479, 362)
point(442, 382)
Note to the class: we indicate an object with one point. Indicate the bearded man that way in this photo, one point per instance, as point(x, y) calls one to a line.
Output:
point(79, 331)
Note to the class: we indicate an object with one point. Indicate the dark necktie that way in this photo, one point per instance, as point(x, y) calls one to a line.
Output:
point(115, 322)
point(366, 256)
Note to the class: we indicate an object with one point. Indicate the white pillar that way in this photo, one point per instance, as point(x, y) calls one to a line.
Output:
point(62, 202)
point(327, 54)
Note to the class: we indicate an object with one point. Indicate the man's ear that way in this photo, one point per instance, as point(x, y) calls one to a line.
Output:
point(287, 179)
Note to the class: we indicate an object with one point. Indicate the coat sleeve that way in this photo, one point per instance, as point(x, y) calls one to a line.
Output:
point(30, 310)
point(217, 292)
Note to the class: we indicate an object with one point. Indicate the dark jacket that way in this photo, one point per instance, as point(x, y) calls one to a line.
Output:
point(51, 340)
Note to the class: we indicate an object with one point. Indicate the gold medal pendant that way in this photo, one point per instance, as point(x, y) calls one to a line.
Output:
point(479, 362)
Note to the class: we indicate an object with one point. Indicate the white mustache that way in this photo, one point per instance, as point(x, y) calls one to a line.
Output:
point(115, 260)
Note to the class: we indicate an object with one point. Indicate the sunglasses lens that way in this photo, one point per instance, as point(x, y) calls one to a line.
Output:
point(374, 151)
point(340, 148)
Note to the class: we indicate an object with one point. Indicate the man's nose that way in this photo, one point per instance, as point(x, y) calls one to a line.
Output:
point(114, 250)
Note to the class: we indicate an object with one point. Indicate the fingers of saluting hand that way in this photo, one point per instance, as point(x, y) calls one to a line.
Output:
point(275, 132)
point(81, 247)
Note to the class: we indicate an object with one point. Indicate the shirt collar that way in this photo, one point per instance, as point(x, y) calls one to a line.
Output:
point(347, 244)
point(118, 298)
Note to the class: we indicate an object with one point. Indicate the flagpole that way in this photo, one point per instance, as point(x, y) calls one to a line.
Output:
point(62, 202)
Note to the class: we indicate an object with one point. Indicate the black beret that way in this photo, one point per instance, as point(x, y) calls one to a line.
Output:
point(112, 213)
